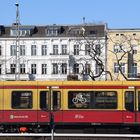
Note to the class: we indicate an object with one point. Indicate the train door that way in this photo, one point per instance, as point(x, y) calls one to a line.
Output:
point(138, 106)
point(129, 114)
point(49, 108)
point(56, 105)
point(43, 106)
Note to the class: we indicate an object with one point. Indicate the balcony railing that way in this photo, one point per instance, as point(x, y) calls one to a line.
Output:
point(132, 75)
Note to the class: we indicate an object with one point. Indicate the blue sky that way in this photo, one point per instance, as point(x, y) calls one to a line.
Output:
point(116, 13)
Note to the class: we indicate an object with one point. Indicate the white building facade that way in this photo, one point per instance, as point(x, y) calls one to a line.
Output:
point(49, 52)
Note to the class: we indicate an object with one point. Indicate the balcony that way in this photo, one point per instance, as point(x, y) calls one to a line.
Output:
point(134, 76)
point(11, 77)
point(59, 56)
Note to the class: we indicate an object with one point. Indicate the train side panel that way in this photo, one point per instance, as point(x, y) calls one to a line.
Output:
point(43, 103)
point(20, 102)
point(89, 107)
point(131, 102)
point(1, 102)
point(138, 105)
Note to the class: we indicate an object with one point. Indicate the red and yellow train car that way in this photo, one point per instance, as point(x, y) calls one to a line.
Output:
point(33, 105)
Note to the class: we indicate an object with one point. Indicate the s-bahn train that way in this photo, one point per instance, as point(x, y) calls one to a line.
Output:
point(36, 106)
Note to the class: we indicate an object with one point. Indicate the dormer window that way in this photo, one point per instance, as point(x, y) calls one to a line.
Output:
point(1, 29)
point(52, 30)
point(93, 32)
point(23, 31)
point(76, 31)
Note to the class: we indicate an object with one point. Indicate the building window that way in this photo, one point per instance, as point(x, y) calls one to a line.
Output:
point(123, 67)
point(76, 31)
point(21, 32)
point(118, 49)
point(0, 50)
point(33, 68)
point(116, 67)
point(76, 68)
point(93, 32)
point(44, 50)
point(13, 50)
point(64, 49)
point(55, 68)
point(76, 49)
point(87, 49)
point(64, 68)
point(98, 68)
point(44, 68)
point(13, 68)
point(55, 49)
point(14, 32)
point(133, 71)
point(0, 69)
point(98, 49)
point(22, 68)
point(52, 31)
point(22, 50)
point(33, 50)
point(135, 49)
point(87, 68)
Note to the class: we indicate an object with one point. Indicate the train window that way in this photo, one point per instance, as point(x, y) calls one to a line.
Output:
point(56, 100)
point(44, 100)
point(129, 100)
point(92, 99)
point(105, 100)
point(22, 99)
point(79, 99)
point(139, 100)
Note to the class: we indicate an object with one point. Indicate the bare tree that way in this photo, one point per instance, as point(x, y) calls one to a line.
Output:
point(125, 48)
point(93, 51)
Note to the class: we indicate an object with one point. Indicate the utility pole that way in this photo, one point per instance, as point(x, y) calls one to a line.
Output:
point(17, 72)
point(51, 113)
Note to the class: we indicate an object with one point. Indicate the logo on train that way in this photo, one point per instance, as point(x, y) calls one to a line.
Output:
point(79, 99)
point(19, 117)
point(11, 116)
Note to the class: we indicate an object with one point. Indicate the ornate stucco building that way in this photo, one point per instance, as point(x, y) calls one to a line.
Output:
point(123, 51)
point(50, 52)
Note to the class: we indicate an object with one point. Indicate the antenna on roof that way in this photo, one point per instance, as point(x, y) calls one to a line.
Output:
point(84, 20)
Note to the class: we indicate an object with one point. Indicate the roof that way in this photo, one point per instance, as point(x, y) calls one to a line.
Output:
point(124, 30)
point(62, 30)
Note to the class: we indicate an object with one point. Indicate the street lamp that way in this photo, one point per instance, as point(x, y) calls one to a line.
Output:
point(17, 73)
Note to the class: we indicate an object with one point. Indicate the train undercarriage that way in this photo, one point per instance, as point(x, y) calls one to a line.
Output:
point(71, 128)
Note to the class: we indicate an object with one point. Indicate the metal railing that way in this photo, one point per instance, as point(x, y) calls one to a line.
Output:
point(69, 135)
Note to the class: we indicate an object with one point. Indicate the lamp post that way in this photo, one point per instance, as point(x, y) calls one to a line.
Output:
point(17, 73)
point(51, 113)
